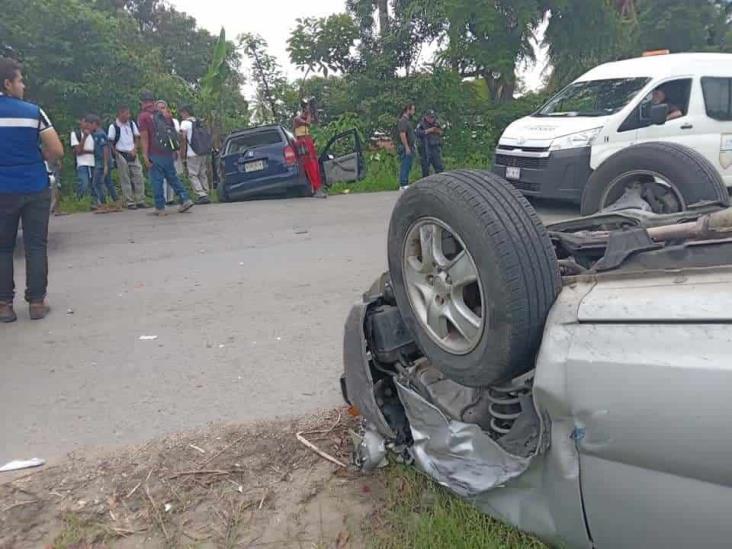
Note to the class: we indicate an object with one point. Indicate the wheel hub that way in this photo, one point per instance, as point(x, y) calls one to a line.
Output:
point(443, 286)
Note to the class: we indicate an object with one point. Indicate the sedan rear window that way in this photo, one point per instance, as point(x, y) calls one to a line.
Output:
point(244, 142)
point(718, 97)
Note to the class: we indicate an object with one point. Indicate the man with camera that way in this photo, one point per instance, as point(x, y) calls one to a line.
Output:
point(306, 147)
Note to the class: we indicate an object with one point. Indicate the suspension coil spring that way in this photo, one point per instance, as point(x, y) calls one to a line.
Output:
point(505, 407)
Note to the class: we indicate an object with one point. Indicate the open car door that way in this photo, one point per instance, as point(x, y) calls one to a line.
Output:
point(342, 159)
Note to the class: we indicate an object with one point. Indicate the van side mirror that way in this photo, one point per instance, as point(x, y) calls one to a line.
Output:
point(658, 114)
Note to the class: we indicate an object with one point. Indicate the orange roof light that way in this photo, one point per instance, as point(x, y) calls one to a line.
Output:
point(655, 52)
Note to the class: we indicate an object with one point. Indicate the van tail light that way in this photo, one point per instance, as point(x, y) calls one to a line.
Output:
point(290, 156)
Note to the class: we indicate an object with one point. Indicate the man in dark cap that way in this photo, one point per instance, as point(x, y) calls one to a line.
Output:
point(429, 133)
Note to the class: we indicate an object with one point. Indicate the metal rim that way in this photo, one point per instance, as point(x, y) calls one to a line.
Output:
point(444, 287)
point(657, 190)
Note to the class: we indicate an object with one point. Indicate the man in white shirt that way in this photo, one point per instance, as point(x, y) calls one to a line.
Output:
point(82, 144)
point(197, 165)
point(124, 138)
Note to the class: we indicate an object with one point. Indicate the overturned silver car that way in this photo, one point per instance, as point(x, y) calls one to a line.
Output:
point(574, 381)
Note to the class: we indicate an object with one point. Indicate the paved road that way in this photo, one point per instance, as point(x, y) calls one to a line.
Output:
point(247, 303)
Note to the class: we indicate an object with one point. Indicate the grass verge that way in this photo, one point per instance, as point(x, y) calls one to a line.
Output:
point(421, 514)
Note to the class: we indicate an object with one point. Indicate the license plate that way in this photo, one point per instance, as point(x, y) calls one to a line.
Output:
point(513, 173)
point(256, 166)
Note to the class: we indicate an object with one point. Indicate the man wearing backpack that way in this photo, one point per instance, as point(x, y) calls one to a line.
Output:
point(124, 138)
point(195, 147)
point(159, 144)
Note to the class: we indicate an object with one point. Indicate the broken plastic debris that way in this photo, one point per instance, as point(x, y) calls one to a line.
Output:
point(69, 311)
point(18, 464)
point(221, 345)
point(148, 338)
point(168, 507)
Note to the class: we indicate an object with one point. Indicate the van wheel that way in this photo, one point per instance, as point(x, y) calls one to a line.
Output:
point(669, 177)
point(474, 275)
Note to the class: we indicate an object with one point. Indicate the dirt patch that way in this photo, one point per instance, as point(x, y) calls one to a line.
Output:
point(226, 486)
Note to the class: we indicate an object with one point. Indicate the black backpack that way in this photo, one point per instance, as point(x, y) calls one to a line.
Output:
point(201, 140)
point(165, 135)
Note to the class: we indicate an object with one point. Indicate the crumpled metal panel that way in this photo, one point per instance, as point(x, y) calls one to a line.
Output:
point(359, 381)
point(460, 456)
point(540, 494)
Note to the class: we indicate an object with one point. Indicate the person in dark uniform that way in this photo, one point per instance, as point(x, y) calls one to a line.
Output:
point(405, 144)
point(26, 139)
point(429, 136)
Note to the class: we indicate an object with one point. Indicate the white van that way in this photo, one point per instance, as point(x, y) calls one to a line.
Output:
point(563, 150)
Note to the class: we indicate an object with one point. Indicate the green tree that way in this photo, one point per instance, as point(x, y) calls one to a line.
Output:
point(274, 94)
point(488, 37)
point(585, 33)
point(323, 44)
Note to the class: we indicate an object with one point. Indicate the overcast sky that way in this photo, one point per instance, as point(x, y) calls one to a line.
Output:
point(275, 19)
point(272, 19)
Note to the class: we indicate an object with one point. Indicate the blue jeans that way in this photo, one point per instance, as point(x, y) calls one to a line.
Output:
point(110, 186)
point(84, 176)
point(163, 169)
point(98, 186)
point(405, 168)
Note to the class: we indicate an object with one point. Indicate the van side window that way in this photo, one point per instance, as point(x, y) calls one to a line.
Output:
point(675, 94)
point(718, 97)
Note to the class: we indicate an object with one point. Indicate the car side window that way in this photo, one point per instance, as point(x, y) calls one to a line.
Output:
point(675, 93)
point(718, 97)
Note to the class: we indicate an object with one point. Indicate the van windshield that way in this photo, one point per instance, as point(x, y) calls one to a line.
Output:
point(593, 98)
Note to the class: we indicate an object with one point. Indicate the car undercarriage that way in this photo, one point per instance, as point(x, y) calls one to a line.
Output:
point(594, 432)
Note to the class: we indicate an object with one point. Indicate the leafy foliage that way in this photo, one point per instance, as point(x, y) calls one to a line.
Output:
point(323, 44)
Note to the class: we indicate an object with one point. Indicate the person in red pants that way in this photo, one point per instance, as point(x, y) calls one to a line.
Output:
point(306, 147)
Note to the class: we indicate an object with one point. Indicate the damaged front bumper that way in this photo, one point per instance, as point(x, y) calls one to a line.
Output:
point(511, 453)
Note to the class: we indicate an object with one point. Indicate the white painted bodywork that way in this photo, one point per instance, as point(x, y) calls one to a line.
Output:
point(696, 130)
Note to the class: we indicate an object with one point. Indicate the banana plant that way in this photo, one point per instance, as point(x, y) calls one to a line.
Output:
point(212, 87)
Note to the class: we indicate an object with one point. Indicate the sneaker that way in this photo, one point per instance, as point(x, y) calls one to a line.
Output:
point(187, 205)
point(131, 206)
point(7, 314)
point(158, 213)
point(320, 194)
point(38, 310)
point(203, 200)
point(142, 206)
point(403, 187)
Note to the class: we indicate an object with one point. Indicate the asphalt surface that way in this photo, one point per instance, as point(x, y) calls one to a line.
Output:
point(242, 305)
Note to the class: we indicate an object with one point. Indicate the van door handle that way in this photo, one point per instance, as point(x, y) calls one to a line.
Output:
point(687, 127)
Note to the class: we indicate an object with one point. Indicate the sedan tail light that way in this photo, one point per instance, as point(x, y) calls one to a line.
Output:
point(290, 156)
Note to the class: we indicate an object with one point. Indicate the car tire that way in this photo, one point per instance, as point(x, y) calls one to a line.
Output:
point(223, 195)
point(692, 178)
point(517, 273)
